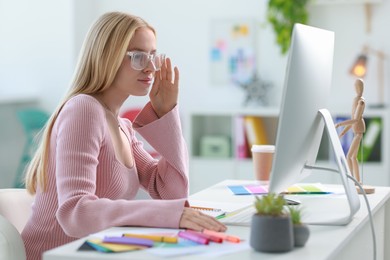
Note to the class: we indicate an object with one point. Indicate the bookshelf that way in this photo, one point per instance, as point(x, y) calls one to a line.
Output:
point(222, 130)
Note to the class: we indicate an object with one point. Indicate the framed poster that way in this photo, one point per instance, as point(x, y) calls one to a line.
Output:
point(232, 51)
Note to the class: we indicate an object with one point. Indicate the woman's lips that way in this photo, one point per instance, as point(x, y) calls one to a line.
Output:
point(146, 81)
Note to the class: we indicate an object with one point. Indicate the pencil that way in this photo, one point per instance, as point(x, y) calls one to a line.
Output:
point(205, 208)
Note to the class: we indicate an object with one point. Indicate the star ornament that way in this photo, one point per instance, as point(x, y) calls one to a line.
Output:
point(256, 90)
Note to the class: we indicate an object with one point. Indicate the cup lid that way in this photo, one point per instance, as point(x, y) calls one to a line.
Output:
point(263, 148)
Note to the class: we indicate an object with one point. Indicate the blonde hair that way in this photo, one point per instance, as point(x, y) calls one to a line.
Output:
point(100, 58)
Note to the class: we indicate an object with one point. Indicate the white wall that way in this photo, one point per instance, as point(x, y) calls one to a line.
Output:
point(183, 31)
point(36, 62)
point(40, 41)
point(36, 48)
point(348, 21)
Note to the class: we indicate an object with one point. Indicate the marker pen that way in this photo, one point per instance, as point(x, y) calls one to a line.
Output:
point(156, 238)
point(193, 237)
point(224, 236)
point(129, 241)
point(209, 237)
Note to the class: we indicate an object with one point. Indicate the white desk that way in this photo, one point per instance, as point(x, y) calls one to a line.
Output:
point(352, 241)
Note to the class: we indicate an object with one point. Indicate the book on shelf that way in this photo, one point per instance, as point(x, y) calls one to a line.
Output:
point(255, 130)
point(368, 150)
point(345, 140)
point(241, 144)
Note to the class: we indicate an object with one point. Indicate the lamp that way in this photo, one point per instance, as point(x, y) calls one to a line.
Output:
point(359, 69)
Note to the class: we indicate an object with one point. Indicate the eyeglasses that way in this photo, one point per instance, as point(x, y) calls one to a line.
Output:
point(140, 60)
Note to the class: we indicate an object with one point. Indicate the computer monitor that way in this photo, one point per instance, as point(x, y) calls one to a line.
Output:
point(303, 115)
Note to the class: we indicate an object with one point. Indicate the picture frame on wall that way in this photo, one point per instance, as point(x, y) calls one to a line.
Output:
point(232, 51)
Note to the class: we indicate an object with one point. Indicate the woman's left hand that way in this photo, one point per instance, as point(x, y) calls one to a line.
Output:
point(165, 90)
point(196, 220)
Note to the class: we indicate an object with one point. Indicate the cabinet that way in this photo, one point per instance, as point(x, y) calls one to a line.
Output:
point(223, 126)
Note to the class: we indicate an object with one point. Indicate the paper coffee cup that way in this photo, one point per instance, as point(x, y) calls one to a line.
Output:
point(262, 156)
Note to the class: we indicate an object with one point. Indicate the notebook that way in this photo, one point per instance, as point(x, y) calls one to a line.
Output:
point(240, 217)
point(219, 210)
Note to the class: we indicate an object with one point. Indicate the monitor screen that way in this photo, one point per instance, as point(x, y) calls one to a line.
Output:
point(307, 88)
point(303, 118)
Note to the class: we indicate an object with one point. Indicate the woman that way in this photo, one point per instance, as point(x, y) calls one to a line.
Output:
point(90, 165)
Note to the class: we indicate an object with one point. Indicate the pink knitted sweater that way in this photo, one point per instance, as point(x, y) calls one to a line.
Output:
point(90, 190)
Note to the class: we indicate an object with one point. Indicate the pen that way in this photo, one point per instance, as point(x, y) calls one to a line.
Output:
point(306, 192)
point(155, 238)
point(193, 237)
point(224, 236)
point(129, 241)
point(221, 216)
point(209, 237)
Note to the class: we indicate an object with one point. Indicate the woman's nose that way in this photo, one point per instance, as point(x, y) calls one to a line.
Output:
point(150, 66)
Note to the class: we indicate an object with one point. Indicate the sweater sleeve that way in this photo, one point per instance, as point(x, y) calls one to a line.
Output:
point(166, 178)
point(80, 134)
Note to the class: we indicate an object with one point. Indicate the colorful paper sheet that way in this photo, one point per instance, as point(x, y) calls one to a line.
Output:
point(110, 247)
point(301, 188)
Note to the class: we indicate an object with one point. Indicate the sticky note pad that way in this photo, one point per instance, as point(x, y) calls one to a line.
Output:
point(295, 189)
point(239, 190)
point(311, 188)
point(248, 189)
point(257, 189)
point(96, 244)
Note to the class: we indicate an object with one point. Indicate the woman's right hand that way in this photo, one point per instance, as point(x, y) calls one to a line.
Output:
point(196, 220)
point(165, 90)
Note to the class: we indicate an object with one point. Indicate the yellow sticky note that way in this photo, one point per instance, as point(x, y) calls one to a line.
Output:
point(295, 189)
point(311, 188)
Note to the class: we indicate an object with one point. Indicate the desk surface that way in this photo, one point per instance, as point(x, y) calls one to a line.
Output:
point(325, 242)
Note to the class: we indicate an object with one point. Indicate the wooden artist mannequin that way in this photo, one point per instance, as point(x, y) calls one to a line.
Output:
point(358, 126)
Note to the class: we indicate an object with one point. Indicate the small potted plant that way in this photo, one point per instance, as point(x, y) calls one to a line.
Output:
point(271, 226)
point(301, 230)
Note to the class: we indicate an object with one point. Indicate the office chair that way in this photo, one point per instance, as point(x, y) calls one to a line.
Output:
point(32, 121)
point(131, 113)
point(15, 205)
point(15, 209)
point(11, 243)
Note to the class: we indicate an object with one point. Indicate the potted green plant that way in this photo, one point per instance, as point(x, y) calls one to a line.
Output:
point(271, 226)
point(301, 231)
point(283, 15)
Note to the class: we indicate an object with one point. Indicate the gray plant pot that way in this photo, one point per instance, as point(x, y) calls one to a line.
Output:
point(301, 235)
point(271, 234)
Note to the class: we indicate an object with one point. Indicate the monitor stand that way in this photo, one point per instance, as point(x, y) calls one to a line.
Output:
point(353, 201)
